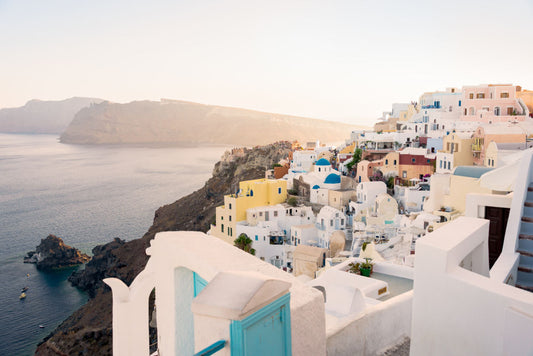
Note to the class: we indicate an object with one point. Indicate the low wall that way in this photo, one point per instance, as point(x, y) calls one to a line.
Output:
point(462, 312)
point(380, 327)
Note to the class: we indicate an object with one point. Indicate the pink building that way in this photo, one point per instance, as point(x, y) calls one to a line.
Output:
point(366, 169)
point(493, 103)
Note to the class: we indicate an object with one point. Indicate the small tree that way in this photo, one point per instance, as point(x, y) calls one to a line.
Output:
point(244, 243)
point(357, 154)
point(390, 182)
point(292, 201)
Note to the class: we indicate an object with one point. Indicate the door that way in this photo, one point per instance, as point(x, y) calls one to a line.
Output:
point(498, 223)
point(264, 336)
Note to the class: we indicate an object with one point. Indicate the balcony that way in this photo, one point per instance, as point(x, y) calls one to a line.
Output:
point(477, 147)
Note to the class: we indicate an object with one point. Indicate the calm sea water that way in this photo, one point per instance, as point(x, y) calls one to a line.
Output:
point(85, 195)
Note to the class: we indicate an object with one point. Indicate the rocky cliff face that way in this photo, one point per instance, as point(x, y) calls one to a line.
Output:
point(43, 117)
point(181, 122)
point(52, 253)
point(88, 331)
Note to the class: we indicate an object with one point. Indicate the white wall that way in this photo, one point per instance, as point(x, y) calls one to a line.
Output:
point(206, 256)
point(378, 328)
point(461, 312)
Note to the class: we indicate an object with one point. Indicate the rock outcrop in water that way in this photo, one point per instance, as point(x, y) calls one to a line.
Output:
point(88, 331)
point(182, 122)
point(104, 264)
point(52, 253)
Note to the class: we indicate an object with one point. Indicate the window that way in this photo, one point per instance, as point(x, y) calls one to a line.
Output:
point(342, 221)
point(256, 237)
point(230, 218)
point(466, 112)
point(279, 190)
point(275, 213)
point(471, 96)
point(386, 161)
point(331, 223)
point(404, 174)
point(394, 162)
point(251, 193)
point(472, 111)
point(504, 95)
point(459, 102)
point(221, 218)
point(480, 96)
point(260, 213)
point(440, 164)
point(229, 206)
point(428, 161)
point(496, 111)
point(449, 165)
point(510, 110)
point(413, 160)
point(222, 228)
point(264, 238)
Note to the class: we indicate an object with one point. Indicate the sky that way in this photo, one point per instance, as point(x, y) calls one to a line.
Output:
point(334, 60)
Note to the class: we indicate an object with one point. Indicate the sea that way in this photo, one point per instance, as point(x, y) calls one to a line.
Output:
point(87, 195)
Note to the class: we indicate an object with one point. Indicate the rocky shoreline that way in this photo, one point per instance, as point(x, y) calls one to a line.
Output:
point(88, 331)
point(52, 253)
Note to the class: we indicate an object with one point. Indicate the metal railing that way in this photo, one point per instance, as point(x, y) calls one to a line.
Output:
point(212, 349)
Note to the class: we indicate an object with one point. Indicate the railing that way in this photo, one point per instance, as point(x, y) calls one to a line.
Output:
point(212, 349)
point(477, 147)
point(505, 267)
point(452, 284)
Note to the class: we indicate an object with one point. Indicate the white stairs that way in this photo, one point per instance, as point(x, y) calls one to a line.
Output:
point(525, 244)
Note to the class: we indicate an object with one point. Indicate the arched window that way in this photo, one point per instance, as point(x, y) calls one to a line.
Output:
point(251, 192)
point(497, 111)
point(222, 228)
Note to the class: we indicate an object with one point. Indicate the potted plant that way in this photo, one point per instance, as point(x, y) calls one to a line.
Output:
point(365, 268)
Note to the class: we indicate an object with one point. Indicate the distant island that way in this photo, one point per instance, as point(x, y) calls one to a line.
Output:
point(42, 117)
point(182, 122)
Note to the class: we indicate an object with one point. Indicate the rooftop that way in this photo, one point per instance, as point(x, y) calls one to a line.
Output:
point(471, 171)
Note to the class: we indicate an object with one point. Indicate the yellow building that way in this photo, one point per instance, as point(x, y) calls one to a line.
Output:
point(456, 151)
point(252, 193)
point(391, 162)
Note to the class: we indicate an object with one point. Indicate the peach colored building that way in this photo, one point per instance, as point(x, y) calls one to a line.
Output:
point(499, 133)
point(527, 97)
point(366, 169)
point(493, 103)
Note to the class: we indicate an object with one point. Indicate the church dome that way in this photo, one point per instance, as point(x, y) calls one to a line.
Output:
point(322, 162)
point(333, 179)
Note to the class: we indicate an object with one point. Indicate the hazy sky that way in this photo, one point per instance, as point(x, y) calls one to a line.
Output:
point(343, 60)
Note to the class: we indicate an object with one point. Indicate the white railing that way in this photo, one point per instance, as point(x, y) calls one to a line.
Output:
point(174, 258)
point(505, 268)
point(460, 311)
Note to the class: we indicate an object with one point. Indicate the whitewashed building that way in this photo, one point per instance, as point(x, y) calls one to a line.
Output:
point(328, 221)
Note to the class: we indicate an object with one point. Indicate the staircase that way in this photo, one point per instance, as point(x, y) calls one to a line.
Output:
point(525, 244)
point(349, 238)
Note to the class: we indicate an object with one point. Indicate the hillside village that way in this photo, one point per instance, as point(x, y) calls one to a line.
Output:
point(415, 235)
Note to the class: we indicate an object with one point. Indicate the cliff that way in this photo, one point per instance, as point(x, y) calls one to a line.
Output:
point(181, 122)
point(88, 331)
point(42, 117)
point(52, 253)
